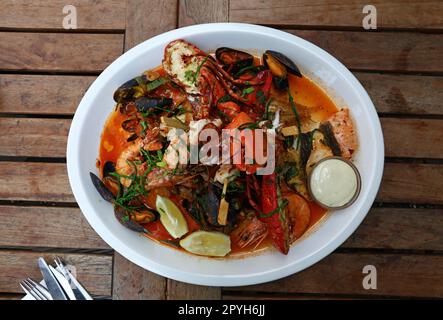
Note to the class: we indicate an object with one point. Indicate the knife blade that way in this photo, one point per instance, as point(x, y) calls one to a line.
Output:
point(53, 286)
point(61, 266)
point(79, 287)
point(64, 283)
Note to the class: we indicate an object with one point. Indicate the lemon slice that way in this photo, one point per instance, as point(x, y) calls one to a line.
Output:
point(171, 217)
point(207, 243)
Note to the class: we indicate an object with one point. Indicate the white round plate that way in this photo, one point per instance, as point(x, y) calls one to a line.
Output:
point(340, 84)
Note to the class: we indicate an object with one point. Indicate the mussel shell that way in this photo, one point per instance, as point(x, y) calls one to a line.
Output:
point(132, 137)
point(280, 83)
point(101, 188)
point(232, 59)
point(108, 168)
point(123, 217)
point(128, 108)
point(130, 125)
point(131, 89)
point(284, 60)
point(154, 104)
point(211, 203)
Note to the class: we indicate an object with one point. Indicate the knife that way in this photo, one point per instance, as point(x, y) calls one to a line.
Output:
point(53, 286)
point(64, 283)
point(75, 289)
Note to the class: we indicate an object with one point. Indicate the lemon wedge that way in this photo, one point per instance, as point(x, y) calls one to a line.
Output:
point(205, 243)
point(171, 217)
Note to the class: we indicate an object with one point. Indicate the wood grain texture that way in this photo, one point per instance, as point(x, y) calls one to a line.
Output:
point(202, 11)
point(388, 51)
point(413, 137)
point(330, 13)
point(412, 183)
point(42, 94)
point(148, 18)
point(404, 94)
point(61, 52)
point(93, 271)
point(341, 273)
point(34, 182)
point(177, 290)
point(48, 227)
point(131, 282)
point(399, 228)
point(34, 137)
point(41, 14)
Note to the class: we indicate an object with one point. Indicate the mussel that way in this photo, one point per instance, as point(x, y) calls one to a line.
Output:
point(130, 125)
point(280, 65)
point(131, 89)
point(101, 188)
point(108, 168)
point(209, 203)
point(123, 217)
point(153, 104)
point(233, 60)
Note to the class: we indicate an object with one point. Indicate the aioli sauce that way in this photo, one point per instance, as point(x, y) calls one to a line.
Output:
point(333, 182)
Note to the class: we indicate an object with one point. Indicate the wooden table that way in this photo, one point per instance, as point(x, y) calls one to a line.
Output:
point(45, 70)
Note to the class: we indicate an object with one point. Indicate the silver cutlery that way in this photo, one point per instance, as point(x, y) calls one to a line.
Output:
point(34, 289)
point(51, 282)
point(79, 292)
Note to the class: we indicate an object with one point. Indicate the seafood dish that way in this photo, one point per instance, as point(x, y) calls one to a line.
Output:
point(225, 153)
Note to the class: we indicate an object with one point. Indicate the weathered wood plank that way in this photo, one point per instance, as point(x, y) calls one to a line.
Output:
point(412, 183)
point(35, 182)
point(131, 282)
point(413, 137)
point(11, 296)
point(42, 94)
point(34, 137)
point(93, 271)
point(177, 290)
point(148, 18)
point(388, 51)
point(341, 273)
point(404, 94)
point(396, 228)
point(41, 14)
point(330, 13)
point(202, 11)
point(62, 52)
point(48, 227)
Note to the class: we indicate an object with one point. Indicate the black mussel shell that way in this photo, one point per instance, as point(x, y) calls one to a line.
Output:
point(131, 89)
point(124, 218)
point(130, 125)
point(128, 108)
point(284, 60)
point(132, 137)
point(280, 83)
point(210, 203)
point(108, 168)
point(101, 188)
point(233, 60)
point(154, 104)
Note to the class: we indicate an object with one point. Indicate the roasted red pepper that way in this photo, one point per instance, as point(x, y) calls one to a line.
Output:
point(274, 214)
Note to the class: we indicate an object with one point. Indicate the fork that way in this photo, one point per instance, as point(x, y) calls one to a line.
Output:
point(36, 290)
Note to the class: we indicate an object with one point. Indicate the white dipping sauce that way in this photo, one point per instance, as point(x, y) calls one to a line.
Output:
point(333, 182)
